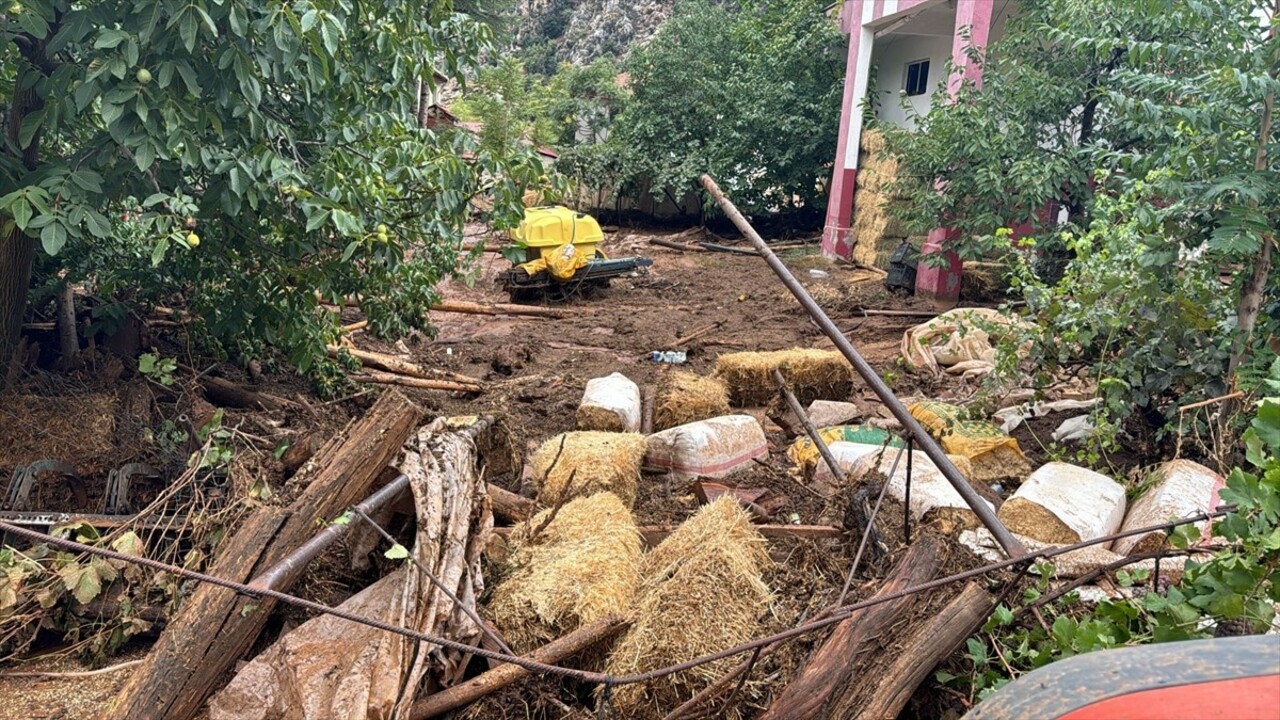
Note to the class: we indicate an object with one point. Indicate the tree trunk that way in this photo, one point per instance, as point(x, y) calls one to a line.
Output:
point(16, 248)
point(829, 678)
point(893, 676)
point(215, 626)
point(1251, 295)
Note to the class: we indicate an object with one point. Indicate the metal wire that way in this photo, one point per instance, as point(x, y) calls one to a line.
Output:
point(836, 616)
point(866, 533)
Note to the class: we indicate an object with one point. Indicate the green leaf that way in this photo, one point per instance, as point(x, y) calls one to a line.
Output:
point(53, 237)
point(20, 208)
point(29, 127)
point(158, 251)
point(130, 544)
point(397, 552)
point(82, 580)
point(345, 519)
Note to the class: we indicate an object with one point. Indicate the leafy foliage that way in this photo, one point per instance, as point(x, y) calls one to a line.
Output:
point(1144, 120)
point(245, 156)
point(751, 95)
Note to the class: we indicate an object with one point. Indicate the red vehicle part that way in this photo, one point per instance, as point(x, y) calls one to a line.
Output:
point(1236, 678)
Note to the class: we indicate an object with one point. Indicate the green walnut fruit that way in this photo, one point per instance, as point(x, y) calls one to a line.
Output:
point(143, 76)
point(193, 240)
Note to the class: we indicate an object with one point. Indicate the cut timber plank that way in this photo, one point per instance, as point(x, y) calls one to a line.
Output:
point(216, 627)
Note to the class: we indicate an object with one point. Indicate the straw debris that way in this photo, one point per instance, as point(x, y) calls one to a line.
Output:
point(701, 592)
point(683, 397)
point(597, 462)
point(812, 374)
point(583, 565)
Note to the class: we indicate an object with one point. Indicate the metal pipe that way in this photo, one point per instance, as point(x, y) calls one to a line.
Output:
point(810, 429)
point(930, 446)
point(293, 563)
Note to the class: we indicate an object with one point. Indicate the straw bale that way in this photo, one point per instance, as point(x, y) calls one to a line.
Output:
point(683, 397)
point(812, 375)
point(598, 461)
point(872, 141)
point(584, 565)
point(701, 592)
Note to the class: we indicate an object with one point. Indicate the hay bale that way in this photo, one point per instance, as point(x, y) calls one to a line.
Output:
point(701, 592)
point(584, 565)
point(1176, 489)
point(1065, 504)
point(993, 455)
point(683, 397)
point(812, 375)
point(610, 404)
point(598, 461)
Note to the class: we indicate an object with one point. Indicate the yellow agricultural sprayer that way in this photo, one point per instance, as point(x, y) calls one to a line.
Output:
point(556, 254)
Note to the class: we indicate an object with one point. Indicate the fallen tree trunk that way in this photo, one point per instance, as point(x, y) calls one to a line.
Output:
point(215, 626)
point(889, 679)
point(400, 366)
point(470, 308)
point(503, 675)
point(386, 378)
point(827, 682)
point(329, 668)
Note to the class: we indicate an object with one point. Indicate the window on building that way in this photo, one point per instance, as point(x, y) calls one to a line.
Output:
point(917, 78)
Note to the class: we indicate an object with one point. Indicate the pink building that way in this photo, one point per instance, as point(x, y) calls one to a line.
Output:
point(909, 43)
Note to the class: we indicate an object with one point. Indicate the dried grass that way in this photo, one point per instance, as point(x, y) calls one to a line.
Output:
point(702, 591)
point(602, 419)
point(79, 429)
point(1035, 521)
point(683, 397)
point(597, 461)
point(876, 233)
point(812, 375)
point(584, 565)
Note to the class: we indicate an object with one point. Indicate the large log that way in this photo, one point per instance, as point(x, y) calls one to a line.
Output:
point(509, 506)
point(828, 679)
point(215, 626)
point(503, 675)
point(889, 679)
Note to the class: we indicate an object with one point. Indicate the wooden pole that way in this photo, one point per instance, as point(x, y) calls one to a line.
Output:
point(503, 675)
point(384, 378)
point(470, 308)
point(400, 366)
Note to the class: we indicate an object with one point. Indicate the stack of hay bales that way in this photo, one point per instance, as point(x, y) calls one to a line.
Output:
point(583, 566)
point(812, 375)
point(701, 592)
point(597, 462)
point(683, 397)
point(875, 233)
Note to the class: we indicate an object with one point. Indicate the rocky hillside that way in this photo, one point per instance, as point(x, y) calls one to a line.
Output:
point(579, 31)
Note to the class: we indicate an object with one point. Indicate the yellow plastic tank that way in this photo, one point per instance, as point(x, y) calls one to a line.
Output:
point(546, 228)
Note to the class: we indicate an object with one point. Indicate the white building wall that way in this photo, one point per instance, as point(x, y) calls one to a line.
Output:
point(890, 58)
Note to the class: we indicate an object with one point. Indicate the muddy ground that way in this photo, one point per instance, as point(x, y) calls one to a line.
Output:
point(537, 369)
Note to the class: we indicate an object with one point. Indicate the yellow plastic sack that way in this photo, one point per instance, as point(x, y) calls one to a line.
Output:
point(805, 454)
point(970, 438)
point(563, 263)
